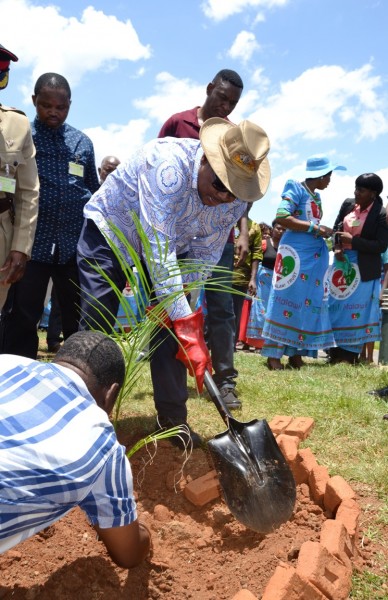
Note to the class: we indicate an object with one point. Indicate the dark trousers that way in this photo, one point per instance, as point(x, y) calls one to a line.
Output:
point(25, 302)
point(99, 306)
point(54, 328)
point(220, 323)
point(238, 303)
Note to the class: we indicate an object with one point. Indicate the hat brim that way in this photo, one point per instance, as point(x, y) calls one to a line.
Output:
point(248, 190)
point(7, 54)
point(321, 172)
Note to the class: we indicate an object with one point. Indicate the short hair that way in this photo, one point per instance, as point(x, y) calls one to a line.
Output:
point(229, 75)
point(54, 81)
point(96, 352)
point(370, 181)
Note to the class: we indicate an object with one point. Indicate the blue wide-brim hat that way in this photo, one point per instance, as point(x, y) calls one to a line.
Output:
point(319, 165)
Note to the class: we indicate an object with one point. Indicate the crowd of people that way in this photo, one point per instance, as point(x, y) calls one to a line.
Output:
point(60, 222)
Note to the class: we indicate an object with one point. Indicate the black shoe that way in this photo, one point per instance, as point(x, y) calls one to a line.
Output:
point(382, 392)
point(385, 417)
point(187, 438)
point(229, 397)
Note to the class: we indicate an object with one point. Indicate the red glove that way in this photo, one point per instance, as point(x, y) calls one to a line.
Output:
point(193, 351)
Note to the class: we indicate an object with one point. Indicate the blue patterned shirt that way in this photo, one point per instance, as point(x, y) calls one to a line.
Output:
point(58, 450)
point(159, 184)
point(62, 195)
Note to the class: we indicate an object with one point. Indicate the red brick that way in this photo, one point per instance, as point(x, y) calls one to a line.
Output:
point(286, 584)
point(279, 423)
point(308, 459)
point(244, 595)
point(318, 479)
point(323, 570)
point(299, 473)
point(337, 489)
point(300, 426)
point(348, 513)
point(204, 489)
point(288, 444)
point(336, 540)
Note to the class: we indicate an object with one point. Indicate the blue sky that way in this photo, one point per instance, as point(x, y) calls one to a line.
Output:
point(315, 76)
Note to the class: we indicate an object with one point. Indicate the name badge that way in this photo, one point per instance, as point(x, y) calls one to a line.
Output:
point(7, 185)
point(76, 169)
point(356, 223)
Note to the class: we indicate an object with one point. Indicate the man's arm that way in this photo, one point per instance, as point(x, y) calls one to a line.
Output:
point(25, 205)
point(242, 244)
point(128, 545)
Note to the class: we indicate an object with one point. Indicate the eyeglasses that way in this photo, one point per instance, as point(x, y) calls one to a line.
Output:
point(220, 187)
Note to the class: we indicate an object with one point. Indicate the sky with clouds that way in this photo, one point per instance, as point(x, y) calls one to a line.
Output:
point(315, 76)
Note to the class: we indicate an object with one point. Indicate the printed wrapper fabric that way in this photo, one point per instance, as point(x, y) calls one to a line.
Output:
point(259, 306)
point(354, 307)
point(298, 312)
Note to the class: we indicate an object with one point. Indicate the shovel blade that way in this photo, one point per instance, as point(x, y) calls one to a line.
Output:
point(256, 481)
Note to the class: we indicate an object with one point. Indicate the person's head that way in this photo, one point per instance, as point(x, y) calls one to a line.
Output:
point(5, 59)
point(277, 230)
point(234, 164)
point(100, 363)
point(265, 230)
point(222, 94)
point(108, 165)
point(52, 99)
point(369, 187)
point(318, 171)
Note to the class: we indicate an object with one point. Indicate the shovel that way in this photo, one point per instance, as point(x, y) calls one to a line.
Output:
point(256, 481)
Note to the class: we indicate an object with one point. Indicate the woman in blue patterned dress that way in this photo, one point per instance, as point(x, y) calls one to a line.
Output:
point(297, 322)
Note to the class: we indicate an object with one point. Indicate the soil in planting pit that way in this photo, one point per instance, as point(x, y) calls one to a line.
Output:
point(199, 553)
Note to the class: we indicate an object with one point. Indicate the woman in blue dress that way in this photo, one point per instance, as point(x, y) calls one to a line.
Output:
point(361, 235)
point(297, 322)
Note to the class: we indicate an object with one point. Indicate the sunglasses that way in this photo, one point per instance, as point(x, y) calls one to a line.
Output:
point(220, 187)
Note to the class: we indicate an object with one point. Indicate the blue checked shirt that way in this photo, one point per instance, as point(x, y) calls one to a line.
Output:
point(159, 183)
point(62, 195)
point(58, 450)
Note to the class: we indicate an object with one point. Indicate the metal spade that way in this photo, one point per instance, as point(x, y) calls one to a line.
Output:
point(257, 483)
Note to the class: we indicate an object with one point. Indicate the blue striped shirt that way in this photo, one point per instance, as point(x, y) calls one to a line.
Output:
point(58, 450)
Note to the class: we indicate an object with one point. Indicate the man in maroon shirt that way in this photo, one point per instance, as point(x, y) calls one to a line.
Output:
point(222, 95)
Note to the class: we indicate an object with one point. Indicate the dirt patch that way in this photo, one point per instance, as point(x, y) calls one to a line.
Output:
point(199, 553)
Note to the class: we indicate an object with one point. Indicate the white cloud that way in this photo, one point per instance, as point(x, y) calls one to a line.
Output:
point(172, 95)
point(119, 140)
point(244, 45)
point(310, 105)
point(46, 41)
point(222, 9)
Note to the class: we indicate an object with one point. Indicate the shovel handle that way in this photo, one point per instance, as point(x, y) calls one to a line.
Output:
point(216, 397)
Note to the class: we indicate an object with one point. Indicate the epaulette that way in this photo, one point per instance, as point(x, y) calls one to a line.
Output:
point(6, 108)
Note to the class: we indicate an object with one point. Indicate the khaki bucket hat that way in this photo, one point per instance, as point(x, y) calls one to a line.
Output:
point(238, 156)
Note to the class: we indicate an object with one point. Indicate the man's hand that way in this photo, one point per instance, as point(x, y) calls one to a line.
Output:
point(252, 287)
point(14, 266)
point(193, 351)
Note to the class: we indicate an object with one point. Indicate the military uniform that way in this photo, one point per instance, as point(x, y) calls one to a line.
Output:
point(19, 187)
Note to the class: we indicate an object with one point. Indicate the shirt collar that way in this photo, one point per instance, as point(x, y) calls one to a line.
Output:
point(42, 128)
